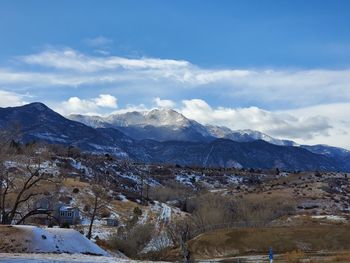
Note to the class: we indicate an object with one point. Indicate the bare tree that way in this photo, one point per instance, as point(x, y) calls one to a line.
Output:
point(180, 232)
point(99, 201)
point(23, 179)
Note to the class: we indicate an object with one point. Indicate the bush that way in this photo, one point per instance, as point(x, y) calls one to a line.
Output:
point(214, 210)
point(132, 242)
point(137, 211)
point(210, 209)
point(172, 191)
point(65, 225)
point(105, 213)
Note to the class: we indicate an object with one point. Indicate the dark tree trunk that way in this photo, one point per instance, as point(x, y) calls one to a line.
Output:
point(89, 235)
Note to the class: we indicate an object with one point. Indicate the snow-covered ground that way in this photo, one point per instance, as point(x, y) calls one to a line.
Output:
point(50, 240)
point(331, 218)
point(59, 258)
point(165, 214)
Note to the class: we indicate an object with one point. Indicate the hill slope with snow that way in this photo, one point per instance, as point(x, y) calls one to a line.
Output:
point(32, 239)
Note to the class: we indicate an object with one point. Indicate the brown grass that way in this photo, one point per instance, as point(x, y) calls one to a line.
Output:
point(12, 240)
point(341, 258)
point(224, 243)
point(294, 256)
point(71, 182)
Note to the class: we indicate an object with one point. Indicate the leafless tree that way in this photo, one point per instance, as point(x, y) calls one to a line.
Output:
point(180, 232)
point(99, 200)
point(23, 179)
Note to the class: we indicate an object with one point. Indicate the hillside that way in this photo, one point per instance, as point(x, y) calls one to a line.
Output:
point(31, 239)
point(227, 153)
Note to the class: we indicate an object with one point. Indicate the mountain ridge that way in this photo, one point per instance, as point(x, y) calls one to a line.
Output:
point(168, 124)
point(40, 123)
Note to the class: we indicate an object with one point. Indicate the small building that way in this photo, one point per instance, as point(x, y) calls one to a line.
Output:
point(51, 212)
point(44, 209)
point(69, 215)
point(112, 221)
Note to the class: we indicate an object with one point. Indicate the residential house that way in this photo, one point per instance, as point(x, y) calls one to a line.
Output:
point(68, 215)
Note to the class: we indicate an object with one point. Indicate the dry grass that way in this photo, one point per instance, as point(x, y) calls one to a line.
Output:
point(341, 258)
point(12, 240)
point(294, 256)
point(225, 243)
point(71, 182)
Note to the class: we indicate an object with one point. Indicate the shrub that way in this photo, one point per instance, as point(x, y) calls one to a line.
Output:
point(137, 211)
point(105, 213)
point(214, 210)
point(65, 225)
point(131, 242)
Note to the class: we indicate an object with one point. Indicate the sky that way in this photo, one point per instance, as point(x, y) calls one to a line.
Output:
point(280, 67)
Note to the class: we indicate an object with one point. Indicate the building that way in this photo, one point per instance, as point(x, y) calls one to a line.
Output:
point(51, 212)
point(112, 221)
point(68, 215)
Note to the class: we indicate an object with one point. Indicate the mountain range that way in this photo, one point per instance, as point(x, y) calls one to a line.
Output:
point(167, 124)
point(166, 136)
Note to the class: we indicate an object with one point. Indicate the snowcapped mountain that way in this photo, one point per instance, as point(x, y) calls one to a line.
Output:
point(168, 124)
point(155, 117)
point(157, 124)
point(245, 135)
point(164, 125)
point(192, 144)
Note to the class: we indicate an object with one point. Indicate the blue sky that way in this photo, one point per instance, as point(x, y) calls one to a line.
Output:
point(281, 67)
point(246, 33)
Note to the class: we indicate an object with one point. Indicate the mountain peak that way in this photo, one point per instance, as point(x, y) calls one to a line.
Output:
point(166, 117)
point(37, 106)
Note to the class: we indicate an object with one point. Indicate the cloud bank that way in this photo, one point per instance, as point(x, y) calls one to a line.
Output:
point(282, 125)
point(307, 105)
point(75, 105)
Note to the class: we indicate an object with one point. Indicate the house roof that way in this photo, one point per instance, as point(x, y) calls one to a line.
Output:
point(66, 208)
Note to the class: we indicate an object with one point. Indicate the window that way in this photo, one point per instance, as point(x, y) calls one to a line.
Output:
point(62, 213)
point(69, 214)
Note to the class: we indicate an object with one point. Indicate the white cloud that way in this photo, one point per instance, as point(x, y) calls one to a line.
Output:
point(295, 88)
point(321, 124)
point(73, 60)
point(319, 91)
point(106, 100)
point(75, 105)
point(164, 103)
point(131, 108)
point(337, 114)
point(10, 99)
point(282, 125)
point(282, 88)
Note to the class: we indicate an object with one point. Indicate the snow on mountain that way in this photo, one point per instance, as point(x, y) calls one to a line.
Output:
point(155, 117)
point(157, 124)
point(245, 135)
point(171, 120)
point(327, 150)
point(172, 138)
